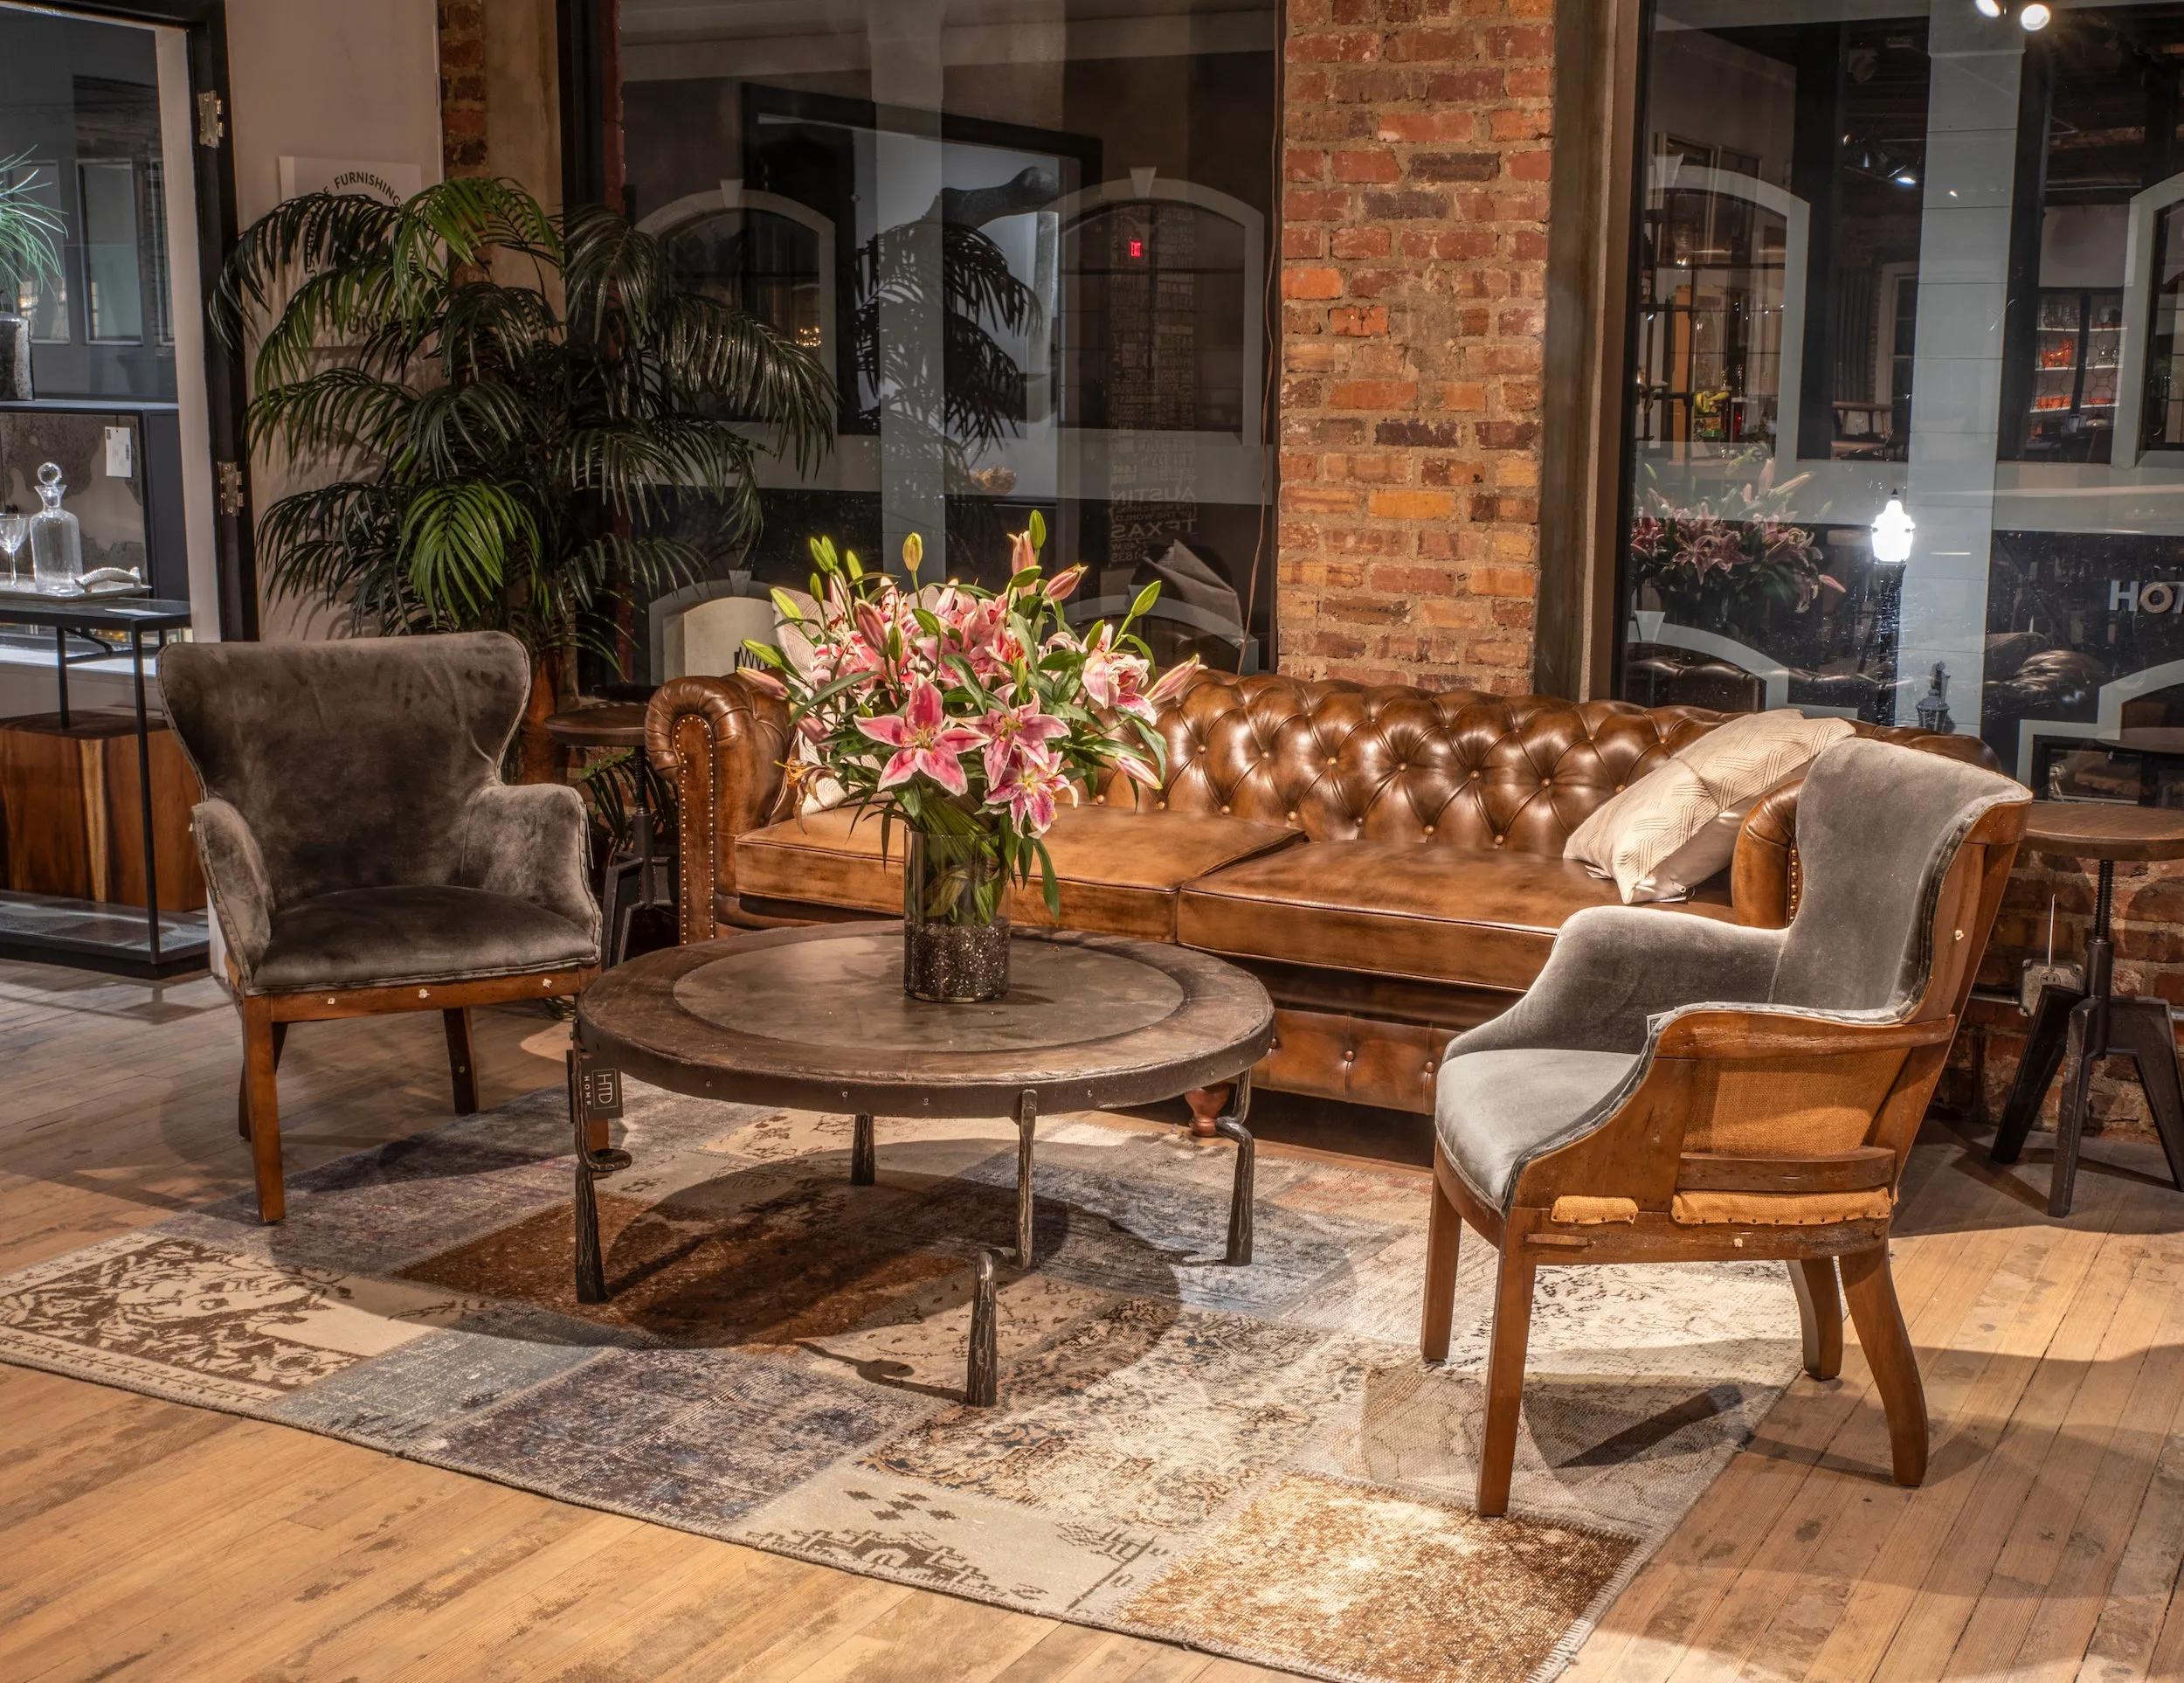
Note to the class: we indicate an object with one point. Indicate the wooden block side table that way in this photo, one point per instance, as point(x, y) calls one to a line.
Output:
point(2073, 1030)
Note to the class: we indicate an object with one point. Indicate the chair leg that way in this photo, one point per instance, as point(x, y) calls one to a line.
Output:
point(1819, 1313)
point(1444, 1237)
point(462, 1059)
point(2070, 1122)
point(1879, 1319)
point(261, 1039)
point(242, 1085)
point(1505, 1377)
point(2144, 1028)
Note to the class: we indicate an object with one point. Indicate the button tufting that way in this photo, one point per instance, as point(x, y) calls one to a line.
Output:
point(1429, 829)
point(1292, 818)
point(1499, 840)
point(1224, 810)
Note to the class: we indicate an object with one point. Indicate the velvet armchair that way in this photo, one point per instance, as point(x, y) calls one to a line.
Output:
point(1680, 1090)
point(363, 854)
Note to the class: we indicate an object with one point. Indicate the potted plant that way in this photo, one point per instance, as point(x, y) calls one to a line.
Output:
point(30, 237)
point(506, 453)
point(968, 717)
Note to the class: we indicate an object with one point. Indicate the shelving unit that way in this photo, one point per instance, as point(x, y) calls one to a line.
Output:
point(2075, 348)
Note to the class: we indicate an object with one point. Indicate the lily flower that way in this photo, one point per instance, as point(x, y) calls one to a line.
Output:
point(1031, 788)
point(923, 740)
point(1012, 732)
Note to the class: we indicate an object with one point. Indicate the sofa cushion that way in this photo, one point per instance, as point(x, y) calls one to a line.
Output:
point(1118, 869)
point(1498, 1111)
point(1464, 915)
point(387, 937)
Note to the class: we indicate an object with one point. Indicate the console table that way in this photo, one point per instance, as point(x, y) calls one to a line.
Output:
point(816, 1018)
point(2086, 1027)
point(168, 946)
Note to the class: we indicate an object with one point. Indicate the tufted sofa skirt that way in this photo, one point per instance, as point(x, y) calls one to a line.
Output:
point(1325, 761)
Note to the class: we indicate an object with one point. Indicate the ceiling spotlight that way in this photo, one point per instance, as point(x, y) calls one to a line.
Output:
point(2034, 17)
point(1988, 8)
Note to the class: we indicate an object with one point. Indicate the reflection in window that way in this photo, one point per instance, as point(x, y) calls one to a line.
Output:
point(1784, 160)
point(1156, 338)
point(761, 262)
point(110, 283)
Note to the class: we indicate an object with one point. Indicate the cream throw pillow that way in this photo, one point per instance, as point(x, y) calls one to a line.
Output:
point(1676, 825)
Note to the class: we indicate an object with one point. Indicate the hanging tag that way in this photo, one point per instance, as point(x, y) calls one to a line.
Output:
point(120, 455)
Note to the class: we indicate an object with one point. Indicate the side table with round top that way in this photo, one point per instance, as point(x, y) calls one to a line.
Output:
point(2084, 1027)
point(619, 724)
point(816, 1018)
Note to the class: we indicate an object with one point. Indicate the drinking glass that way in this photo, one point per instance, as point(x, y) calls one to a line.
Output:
point(14, 528)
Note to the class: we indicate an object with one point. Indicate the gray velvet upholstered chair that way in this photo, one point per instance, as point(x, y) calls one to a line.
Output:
point(1673, 1089)
point(363, 854)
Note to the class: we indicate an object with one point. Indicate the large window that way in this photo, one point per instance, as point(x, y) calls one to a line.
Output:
point(1909, 252)
point(1030, 240)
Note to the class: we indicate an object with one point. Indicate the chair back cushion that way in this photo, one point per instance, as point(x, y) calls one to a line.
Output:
point(1878, 828)
point(351, 762)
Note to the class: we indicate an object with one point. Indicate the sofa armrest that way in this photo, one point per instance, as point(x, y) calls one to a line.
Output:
point(1763, 876)
point(235, 872)
point(532, 841)
point(723, 743)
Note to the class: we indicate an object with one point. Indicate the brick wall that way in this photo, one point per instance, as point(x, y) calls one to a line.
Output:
point(1414, 245)
point(462, 87)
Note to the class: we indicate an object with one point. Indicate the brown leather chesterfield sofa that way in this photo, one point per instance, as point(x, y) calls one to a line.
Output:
point(1388, 861)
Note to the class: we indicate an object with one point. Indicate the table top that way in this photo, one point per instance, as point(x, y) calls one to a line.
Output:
point(816, 1018)
point(603, 724)
point(2095, 829)
point(92, 612)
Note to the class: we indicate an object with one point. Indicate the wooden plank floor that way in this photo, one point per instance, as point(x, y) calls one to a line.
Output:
point(141, 1538)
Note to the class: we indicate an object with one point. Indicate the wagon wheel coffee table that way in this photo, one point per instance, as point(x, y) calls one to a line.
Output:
point(816, 1018)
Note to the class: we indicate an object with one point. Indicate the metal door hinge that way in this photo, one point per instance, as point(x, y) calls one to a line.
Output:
point(211, 120)
point(231, 477)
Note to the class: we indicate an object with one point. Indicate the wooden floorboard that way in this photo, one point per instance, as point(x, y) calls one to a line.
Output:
point(141, 1538)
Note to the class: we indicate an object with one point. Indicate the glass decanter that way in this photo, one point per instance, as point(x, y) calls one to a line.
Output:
point(56, 539)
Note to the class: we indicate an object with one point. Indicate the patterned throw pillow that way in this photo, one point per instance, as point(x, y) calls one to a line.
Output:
point(1676, 825)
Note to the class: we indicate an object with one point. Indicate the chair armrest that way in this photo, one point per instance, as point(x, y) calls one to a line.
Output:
point(532, 841)
point(1613, 968)
point(723, 743)
point(235, 872)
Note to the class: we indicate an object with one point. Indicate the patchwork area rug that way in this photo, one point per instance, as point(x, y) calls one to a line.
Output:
point(1250, 1461)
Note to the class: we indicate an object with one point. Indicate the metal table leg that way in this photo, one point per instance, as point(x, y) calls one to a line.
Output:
point(864, 1156)
point(144, 797)
point(982, 1370)
point(1026, 1125)
point(1231, 1126)
point(595, 1095)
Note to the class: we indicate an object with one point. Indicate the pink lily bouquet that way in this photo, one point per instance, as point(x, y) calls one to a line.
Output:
point(968, 715)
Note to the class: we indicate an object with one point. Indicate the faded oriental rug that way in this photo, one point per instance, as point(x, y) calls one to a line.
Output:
point(1250, 1461)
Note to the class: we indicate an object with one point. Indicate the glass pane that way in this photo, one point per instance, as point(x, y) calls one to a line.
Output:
point(110, 250)
point(1034, 259)
point(1777, 348)
point(79, 119)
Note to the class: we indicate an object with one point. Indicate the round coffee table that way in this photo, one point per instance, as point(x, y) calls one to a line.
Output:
point(2087, 1025)
point(816, 1018)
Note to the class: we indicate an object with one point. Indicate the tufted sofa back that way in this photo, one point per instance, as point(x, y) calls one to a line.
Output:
point(1345, 763)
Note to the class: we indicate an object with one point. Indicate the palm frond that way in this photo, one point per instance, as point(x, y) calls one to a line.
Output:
point(458, 539)
point(332, 413)
point(31, 233)
point(706, 345)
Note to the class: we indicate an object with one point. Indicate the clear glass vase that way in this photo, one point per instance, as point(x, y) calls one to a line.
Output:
point(955, 918)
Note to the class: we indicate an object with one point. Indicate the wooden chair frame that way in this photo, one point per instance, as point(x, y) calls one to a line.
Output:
point(1638, 1155)
point(265, 1020)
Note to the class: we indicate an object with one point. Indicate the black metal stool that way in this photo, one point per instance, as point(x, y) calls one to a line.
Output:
point(621, 725)
point(2084, 1027)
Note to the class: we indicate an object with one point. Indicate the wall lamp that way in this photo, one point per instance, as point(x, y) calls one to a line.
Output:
point(2031, 17)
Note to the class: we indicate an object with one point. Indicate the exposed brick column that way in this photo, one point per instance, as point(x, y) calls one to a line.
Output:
point(462, 88)
point(1414, 245)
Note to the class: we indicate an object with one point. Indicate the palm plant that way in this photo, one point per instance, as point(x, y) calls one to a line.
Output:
point(504, 455)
